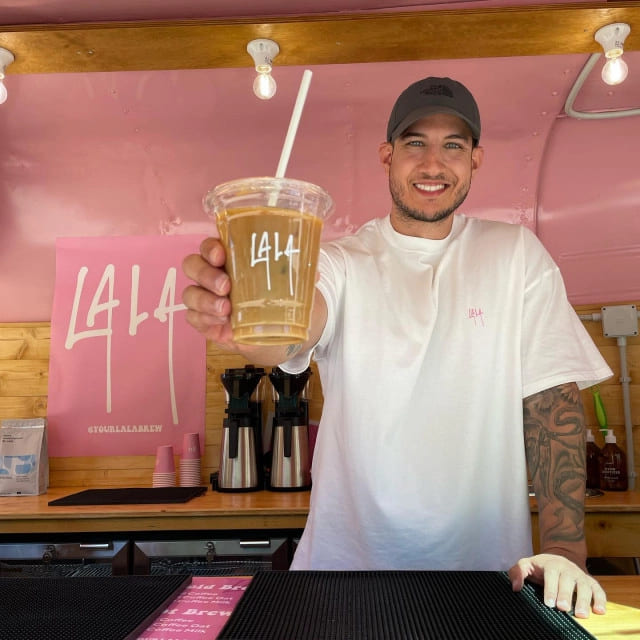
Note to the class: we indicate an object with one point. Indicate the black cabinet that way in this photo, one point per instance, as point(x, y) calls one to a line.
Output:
point(211, 556)
point(218, 553)
point(48, 558)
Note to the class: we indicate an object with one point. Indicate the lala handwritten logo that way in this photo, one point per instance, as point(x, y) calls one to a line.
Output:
point(477, 315)
point(265, 251)
point(164, 312)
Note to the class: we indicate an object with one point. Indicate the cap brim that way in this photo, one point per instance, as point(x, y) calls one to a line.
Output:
point(427, 110)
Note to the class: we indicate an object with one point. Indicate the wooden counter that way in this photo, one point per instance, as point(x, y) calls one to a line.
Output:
point(622, 620)
point(612, 521)
point(211, 511)
point(612, 524)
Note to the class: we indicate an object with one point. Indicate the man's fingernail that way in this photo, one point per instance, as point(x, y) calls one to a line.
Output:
point(216, 254)
point(563, 604)
point(222, 285)
point(550, 602)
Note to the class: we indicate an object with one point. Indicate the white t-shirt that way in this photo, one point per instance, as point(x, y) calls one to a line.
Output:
point(429, 349)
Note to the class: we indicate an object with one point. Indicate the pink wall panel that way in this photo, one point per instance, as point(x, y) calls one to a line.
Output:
point(133, 153)
point(589, 207)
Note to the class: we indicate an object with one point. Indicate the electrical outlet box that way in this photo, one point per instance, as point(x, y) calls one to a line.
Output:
point(619, 321)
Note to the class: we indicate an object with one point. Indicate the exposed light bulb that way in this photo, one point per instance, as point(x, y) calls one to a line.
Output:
point(611, 37)
point(3, 91)
point(264, 86)
point(615, 71)
point(263, 52)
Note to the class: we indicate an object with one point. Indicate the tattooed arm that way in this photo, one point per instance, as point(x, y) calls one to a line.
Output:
point(555, 448)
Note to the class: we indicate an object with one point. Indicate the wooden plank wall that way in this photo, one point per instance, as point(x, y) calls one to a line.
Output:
point(611, 389)
point(24, 365)
point(24, 371)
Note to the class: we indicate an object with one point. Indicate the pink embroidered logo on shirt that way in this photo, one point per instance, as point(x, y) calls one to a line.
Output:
point(477, 315)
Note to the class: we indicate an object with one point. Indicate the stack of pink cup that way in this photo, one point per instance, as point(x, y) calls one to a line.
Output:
point(190, 462)
point(164, 473)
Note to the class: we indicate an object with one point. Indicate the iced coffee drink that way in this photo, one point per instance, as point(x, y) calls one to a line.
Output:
point(271, 230)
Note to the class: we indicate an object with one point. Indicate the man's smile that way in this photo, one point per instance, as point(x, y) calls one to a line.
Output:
point(431, 188)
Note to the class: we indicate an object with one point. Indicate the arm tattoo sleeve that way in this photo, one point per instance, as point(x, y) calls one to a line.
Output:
point(555, 449)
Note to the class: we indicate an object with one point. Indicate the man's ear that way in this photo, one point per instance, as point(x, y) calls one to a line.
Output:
point(385, 152)
point(477, 156)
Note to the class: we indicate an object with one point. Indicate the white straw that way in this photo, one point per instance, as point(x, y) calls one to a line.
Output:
point(293, 125)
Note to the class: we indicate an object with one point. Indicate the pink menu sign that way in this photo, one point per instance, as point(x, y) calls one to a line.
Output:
point(200, 611)
point(126, 371)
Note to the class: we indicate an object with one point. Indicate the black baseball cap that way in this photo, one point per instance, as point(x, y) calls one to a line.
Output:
point(433, 95)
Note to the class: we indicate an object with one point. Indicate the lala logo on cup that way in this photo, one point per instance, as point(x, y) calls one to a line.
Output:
point(262, 253)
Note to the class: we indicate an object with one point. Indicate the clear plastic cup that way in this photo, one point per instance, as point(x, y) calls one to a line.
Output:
point(271, 229)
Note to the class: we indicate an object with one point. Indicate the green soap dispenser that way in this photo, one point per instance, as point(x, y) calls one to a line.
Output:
point(613, 466)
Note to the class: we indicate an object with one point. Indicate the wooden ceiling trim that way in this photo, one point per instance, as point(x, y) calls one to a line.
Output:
point(316, 40)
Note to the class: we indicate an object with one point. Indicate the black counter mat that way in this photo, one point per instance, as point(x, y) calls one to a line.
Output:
point(394, 605)
point(130, 495)
point(84, 608)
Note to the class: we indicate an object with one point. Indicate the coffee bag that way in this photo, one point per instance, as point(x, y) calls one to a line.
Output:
point(24, 461)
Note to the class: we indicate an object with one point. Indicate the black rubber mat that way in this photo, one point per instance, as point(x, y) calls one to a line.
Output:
point(228, 568)
point(84, 608)
point(130, 495)
point(394, 605)
point(55, 570)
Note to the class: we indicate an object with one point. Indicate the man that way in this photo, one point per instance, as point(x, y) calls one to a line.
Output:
point(440, 340)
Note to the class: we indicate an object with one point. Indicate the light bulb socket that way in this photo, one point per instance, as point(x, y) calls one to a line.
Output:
point(611, 37)
point(6, 58)
point(263, 51)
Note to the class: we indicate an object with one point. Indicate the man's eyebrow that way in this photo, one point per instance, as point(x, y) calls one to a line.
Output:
point(450, 136)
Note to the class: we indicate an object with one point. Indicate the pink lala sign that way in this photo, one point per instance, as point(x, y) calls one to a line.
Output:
point(126, 371)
